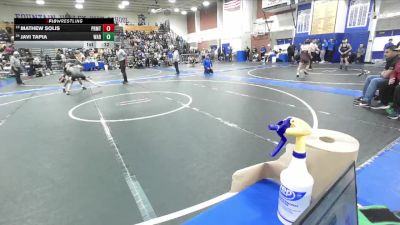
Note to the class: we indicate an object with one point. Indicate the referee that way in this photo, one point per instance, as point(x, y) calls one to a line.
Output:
point(121, 56)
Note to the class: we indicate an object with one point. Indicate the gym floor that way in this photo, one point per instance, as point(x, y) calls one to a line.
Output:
point(121, 154)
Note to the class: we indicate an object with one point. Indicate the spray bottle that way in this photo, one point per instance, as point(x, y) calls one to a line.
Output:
point(296, 182)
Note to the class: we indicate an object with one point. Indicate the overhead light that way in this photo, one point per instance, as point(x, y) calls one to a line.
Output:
point(121, 6)
point(183, 12)
point(194, 9)
point(206, 3)
point(176, 10)
point(125, 3)
point(40, 2)
point(80, 1)
point(79, 6)
point(153, 10)
point(172, 1)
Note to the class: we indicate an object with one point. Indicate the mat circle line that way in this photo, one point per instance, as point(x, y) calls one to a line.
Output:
point(72, 116)
point(337, 74)
point(299, 81)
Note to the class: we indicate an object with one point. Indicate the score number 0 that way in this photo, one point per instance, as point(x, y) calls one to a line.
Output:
point(108, 27)
point(108, 32)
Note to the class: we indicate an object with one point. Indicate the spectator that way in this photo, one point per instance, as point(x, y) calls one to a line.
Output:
point(203, 54)
point(58, 57)
point(155, 60)
point(63, 59)
point(147, 62)
point(269, 55)
point(394, 109)
point(324, 46)
point(263, 50)
point(277, 55)
point(360, 58)
point(389, 44)
point(170, 56)
point(37, 68)
point(79, 57)
point(47, 59)
point(386, 92)
point(290, 51)
point(248, 53)
point(255, 55)
point(8, 51)
point(192, 61)
point(330, 50)
point(220, 58)
point(230, 53)
point(154, 45)
point(373, 82)
point(360, 54)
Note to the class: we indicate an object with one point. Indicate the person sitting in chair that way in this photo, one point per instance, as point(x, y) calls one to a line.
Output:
point(255, 55)
point(263, 51)
point(192, 61)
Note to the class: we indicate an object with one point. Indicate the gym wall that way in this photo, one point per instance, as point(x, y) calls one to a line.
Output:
point(224, 26)
point(387, 27)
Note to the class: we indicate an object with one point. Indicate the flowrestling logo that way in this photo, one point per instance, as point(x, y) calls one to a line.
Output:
point(290, 195)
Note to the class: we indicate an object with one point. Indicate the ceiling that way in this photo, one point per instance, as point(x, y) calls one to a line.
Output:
point(135, 5)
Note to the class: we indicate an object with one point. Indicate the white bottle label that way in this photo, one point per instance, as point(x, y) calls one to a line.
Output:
point(292, 204)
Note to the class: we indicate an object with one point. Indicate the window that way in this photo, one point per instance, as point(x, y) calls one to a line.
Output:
point(303, 21)
point(358, 13)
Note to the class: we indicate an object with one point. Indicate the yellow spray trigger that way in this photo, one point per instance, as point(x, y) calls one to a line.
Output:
point(299, 129)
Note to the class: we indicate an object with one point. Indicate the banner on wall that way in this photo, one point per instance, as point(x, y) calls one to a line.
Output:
point(358, 13)
point(140, 28)
point(303, 21)
point(274, 3)
point(232, 5)
point(324, 17)
point(117, 19)
point(232, 19)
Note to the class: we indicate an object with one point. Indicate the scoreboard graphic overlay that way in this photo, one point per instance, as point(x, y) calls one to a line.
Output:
point(64, 33)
